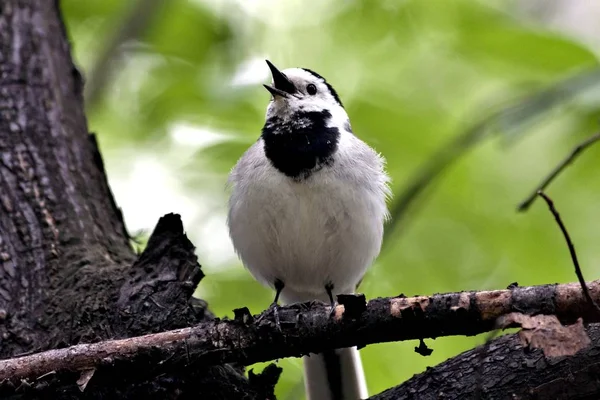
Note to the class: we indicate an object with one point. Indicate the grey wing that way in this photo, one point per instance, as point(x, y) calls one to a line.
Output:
point(250, 163)
point(362, 165)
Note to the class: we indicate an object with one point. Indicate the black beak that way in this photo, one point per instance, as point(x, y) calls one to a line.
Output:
point(282, 86)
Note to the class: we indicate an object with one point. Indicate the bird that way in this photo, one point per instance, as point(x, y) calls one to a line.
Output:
point(307, 210)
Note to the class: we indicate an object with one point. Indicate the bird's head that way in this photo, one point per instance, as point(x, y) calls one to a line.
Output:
point(300, 90)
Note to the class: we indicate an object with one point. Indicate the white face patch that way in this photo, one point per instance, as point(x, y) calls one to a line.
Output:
point(304, 101)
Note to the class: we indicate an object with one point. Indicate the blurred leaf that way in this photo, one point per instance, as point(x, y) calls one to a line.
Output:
point(78, 11)
point(513, 119)
point(221, 154)
point(189, 32)
point(491, 36)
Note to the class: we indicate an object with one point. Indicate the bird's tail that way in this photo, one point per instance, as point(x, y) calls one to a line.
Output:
point(335, 375)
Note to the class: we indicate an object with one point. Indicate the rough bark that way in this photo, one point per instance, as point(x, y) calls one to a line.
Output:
point(67, 272)
point(58, 218)
point(504, 369)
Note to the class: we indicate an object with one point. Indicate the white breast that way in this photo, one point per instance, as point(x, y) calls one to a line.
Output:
point(326, 229)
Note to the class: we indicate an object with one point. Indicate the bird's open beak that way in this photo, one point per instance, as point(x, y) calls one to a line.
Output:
point(282, 86)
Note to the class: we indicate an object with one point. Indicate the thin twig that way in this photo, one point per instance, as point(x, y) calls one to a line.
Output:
point(578, 272)
point(525, 204)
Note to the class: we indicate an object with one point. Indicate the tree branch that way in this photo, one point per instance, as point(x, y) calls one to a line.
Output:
point(510, 371)
point(306, 328)
point(525, 204)
point(571, 247)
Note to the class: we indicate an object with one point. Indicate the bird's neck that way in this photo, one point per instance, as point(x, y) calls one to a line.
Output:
point(300, 144)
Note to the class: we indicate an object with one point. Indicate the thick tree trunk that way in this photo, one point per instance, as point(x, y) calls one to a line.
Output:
point(59, 224)
point(67, 272)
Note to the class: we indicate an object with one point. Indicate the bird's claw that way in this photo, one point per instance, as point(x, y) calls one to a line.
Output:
point(275, 307)
point(333, 308)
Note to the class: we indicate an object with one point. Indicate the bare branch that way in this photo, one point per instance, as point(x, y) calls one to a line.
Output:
point(572, 251)
point(305, 328)
point(509, 370)
point(525, 204)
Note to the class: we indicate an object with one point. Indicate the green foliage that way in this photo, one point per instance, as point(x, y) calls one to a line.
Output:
point(414, 76)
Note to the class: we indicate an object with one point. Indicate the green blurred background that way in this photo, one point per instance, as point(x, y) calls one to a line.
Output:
point(174, 93)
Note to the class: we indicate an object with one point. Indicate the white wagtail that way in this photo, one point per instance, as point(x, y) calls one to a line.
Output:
point(307, 210)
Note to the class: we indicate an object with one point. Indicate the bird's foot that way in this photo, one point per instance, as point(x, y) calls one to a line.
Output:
point(279, 285)
point(329, 290)
point(333, 308)
point(275, 308)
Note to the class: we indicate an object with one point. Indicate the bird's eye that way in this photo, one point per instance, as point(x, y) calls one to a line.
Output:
point(311, 89)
